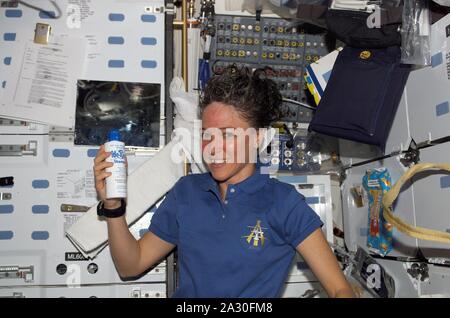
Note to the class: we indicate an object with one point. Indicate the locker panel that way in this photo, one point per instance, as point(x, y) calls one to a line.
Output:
point(317, 192)
point(356, 218)
point(428, 89)
point(33, 221)
point(432, 200)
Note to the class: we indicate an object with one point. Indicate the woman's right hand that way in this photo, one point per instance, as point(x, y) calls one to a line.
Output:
point(100, 174)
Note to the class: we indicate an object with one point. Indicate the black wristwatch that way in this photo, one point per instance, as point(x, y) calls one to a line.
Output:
point(114, 213)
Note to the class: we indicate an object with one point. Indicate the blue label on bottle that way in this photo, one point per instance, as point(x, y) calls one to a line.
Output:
point(118, 156)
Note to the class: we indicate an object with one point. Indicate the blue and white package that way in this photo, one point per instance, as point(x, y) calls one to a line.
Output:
point(379, 238)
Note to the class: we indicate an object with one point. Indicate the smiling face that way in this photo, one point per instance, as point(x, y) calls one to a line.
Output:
point(227, 150)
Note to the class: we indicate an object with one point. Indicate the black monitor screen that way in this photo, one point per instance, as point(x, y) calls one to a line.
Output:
point(132, 108)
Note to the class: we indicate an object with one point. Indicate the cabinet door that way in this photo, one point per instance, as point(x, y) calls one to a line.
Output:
point(356, 218)
point(432, 200)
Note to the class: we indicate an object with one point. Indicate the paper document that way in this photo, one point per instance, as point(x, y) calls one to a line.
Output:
point(46, 87)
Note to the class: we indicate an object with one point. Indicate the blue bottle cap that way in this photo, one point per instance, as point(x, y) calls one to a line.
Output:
point(114, 135)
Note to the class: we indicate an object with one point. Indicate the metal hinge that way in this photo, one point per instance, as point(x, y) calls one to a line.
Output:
point(60, 134)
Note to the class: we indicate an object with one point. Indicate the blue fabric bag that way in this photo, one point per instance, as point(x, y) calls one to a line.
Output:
point(362, 95)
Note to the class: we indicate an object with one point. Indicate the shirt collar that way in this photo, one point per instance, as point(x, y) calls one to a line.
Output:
point(250, 185)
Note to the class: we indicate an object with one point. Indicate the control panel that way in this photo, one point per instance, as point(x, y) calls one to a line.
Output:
point(274, 43)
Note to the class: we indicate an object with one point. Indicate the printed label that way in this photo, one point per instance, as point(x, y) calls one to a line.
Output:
point(74, 256)
point(75, 184)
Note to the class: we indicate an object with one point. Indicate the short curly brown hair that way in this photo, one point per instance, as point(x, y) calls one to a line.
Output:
point(251, 93)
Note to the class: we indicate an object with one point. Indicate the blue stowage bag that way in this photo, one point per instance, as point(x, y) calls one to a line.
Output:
point(362, 95)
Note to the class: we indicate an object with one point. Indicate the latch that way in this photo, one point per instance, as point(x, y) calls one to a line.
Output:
point(310, 293)
point(5, 122)
point(74, 208)
point(5, 196)
point(411, 156)
point(6, 181)
point(170, 9)
point(419, 271)
point(9, 4)
point(157, 9)
point(358, 195)
point(29, 149)
point(160, 269)
point(17, 272)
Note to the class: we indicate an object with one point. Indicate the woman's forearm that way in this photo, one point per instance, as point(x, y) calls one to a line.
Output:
point(124, 247)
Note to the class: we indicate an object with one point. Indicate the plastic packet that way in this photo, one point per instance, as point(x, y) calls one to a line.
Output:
point(379, 238)
point(415, 33)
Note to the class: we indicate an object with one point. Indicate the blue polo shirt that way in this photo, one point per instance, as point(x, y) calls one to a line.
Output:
point(239, 247)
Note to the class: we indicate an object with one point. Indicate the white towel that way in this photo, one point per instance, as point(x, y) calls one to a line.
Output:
point(187, 120)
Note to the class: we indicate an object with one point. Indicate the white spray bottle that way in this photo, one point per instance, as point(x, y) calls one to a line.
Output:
point(116, 183)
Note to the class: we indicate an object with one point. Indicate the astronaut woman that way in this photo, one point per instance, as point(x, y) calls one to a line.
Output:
point(236, 229)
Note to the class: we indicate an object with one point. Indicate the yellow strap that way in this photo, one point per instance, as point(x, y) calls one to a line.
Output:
point(402, 226)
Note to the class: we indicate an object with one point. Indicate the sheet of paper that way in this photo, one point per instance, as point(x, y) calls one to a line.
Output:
point(46, 88)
